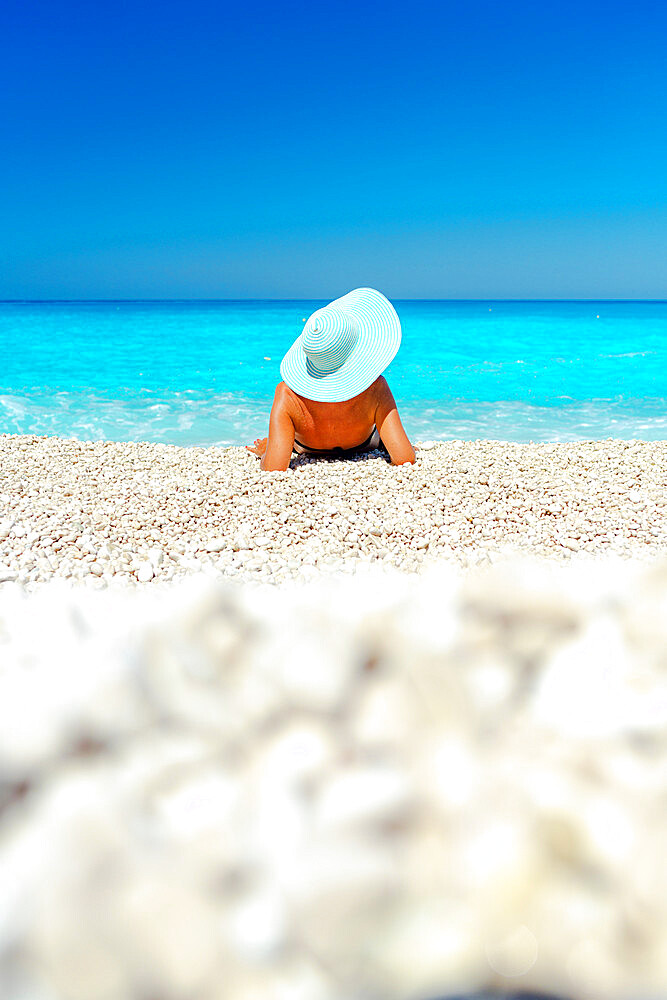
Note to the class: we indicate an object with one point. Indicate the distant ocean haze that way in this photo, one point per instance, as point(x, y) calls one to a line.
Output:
point(202, 373)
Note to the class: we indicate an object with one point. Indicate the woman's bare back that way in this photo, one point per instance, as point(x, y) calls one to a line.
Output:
point(333, 425)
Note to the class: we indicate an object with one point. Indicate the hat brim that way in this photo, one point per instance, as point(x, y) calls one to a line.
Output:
point(379, 340)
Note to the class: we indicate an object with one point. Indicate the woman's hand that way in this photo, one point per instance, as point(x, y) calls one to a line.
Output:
point(259, 446)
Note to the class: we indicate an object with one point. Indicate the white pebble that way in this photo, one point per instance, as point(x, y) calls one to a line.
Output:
point(145, 572)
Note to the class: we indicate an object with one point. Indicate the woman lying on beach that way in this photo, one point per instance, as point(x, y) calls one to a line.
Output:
point(333, 394)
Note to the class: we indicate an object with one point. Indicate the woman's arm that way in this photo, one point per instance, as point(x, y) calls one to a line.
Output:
point(276, 450)
point(390, 427)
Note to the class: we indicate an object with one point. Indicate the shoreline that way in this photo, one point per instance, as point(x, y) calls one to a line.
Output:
point(129, 513)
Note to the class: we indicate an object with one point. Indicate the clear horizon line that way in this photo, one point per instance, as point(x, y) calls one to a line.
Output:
point(325, 298)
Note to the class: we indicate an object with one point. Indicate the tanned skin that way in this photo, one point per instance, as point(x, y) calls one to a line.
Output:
point(331, 425)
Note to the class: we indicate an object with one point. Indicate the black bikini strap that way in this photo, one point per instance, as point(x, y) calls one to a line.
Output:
point(337, 450)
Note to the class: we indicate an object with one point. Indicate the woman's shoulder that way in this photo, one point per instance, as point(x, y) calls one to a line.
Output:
point(286, 399)
point(380, 388)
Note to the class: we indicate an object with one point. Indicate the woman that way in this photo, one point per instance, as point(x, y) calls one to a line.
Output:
point(333, 400)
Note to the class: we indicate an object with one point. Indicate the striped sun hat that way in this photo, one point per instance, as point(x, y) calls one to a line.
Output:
point(343, 347)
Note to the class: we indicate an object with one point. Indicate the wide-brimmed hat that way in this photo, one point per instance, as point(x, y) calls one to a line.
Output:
point(343, 347)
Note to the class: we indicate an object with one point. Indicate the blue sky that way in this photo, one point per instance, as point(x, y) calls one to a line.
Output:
point(430, 149)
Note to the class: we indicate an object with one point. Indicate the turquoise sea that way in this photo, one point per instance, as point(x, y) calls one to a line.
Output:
point(204, 372)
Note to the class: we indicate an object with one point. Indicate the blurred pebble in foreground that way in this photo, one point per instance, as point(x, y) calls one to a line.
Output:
point(382, 788)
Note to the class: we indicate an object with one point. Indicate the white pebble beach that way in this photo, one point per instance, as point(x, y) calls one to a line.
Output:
point(131, 513)
point(344, 732)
